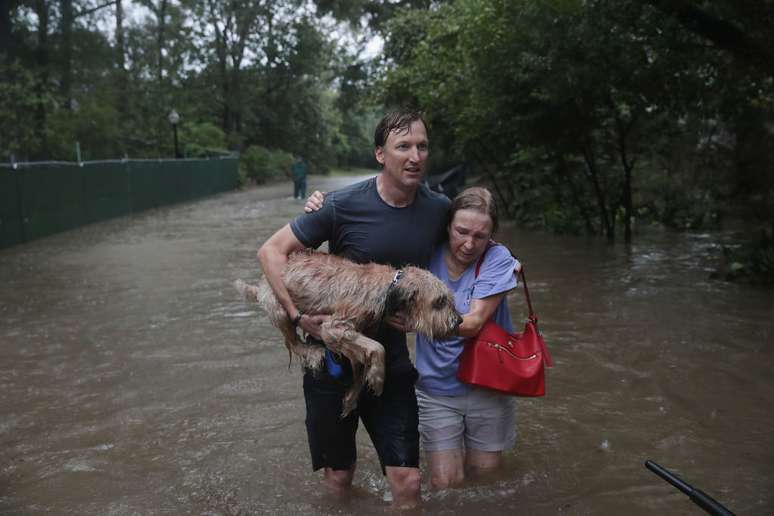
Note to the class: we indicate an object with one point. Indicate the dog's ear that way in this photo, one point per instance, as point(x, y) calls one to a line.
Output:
point(399, 299)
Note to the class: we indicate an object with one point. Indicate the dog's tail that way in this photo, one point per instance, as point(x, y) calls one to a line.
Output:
point(262, 295)
point(250, 292)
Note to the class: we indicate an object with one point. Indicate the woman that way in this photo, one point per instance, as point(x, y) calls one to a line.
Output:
point(464, 428)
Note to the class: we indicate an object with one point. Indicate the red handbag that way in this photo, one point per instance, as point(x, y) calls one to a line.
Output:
point(510, 363)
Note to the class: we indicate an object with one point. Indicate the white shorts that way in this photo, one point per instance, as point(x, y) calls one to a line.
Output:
point(483, 420)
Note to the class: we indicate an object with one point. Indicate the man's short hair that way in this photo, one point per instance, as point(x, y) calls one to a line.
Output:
point(398, 120)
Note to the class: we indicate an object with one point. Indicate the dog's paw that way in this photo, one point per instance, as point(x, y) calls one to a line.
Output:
point(312, 356)
point(349, 403)
point(375, 380)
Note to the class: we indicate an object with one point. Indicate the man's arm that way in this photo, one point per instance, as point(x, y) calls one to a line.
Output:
point(273, 257)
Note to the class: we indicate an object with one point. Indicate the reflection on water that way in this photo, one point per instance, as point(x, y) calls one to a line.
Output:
point(134, 380)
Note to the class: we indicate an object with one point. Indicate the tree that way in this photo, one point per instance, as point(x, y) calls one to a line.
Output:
point(564, 104)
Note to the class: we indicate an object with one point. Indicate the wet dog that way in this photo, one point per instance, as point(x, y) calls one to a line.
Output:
point(358, 297)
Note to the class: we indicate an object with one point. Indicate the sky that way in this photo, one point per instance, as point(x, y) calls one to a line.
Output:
point(135, 14)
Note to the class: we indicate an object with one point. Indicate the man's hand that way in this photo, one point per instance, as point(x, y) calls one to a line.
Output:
point(314, 202)
point(397, 321)
point(311, 323)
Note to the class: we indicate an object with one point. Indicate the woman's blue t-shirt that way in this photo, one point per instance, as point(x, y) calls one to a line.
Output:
point(437, 361)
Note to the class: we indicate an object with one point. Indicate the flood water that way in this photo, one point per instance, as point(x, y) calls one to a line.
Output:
point(134, 380)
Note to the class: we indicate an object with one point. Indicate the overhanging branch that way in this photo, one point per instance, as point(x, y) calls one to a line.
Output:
point(94, 9)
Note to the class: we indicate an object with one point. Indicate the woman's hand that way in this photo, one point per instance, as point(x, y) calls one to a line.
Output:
point(481, 310)
point(397, 321)
point(314, 202)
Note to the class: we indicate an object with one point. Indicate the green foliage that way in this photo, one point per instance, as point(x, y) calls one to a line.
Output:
point(92, 124)
point(261, 73)
point(202, 139)
point(752, 262)
point(22, 95)
point(584, 113)
point(580, 114)
point(259, 164)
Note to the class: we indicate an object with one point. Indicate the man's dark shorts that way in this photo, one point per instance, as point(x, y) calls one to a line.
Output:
point(391, 420)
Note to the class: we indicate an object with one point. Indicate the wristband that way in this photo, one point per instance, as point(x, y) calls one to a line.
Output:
point(297, 318)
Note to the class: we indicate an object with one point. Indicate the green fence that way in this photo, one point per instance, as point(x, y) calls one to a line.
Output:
point(39, 199)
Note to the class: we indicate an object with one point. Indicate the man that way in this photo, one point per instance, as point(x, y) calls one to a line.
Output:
point(391, 219)
point(298, 170)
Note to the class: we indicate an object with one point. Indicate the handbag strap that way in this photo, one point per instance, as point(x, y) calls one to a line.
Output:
point(520, 273)
point(532, 317)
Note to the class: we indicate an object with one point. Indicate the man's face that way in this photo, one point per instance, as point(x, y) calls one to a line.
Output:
point(404, 155)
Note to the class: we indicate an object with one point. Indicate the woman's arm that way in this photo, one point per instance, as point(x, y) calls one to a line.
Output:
point(481, 310)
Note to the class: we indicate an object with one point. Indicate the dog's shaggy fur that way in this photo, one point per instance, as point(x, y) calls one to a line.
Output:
point(358, 297)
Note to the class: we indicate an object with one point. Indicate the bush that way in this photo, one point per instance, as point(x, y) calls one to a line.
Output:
point(259, 164)
point(752, 262)
point(203, 140)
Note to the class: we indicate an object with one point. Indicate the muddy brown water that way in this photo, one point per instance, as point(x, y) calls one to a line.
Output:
point(133, 380)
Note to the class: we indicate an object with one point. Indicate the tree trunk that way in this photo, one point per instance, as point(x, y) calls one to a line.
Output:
point(503, 201)
point(575, 196)
point(6, 42)
point(224, 82)
point(495, 185)
point(244, 26)
point(627, 203)
point(236, 92)
point(42, 59)
point(120, 45)
point(222, 54)
point(121, 77)
point(67, 50)
point(604, 215)
point(161, 15)
point(510, 194)
point(628, 166)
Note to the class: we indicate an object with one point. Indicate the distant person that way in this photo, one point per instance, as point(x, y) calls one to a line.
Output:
point(299, 170)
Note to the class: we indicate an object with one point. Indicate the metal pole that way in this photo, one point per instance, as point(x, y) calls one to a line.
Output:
point(697, 496)
point(177, 148)
point(19, 199)
point(78, 152)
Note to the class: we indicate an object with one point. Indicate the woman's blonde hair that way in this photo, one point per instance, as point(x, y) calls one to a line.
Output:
point(478, 199)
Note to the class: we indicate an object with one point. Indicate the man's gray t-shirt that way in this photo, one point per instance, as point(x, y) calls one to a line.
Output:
point(360, 226)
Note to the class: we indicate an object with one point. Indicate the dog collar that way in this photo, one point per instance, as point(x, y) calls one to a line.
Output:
point(389, 295)
point(396, 278)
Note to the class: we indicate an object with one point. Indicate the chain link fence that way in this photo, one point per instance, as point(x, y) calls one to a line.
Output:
point(41, 198)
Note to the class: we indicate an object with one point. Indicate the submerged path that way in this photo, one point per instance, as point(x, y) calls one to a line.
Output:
point(133, 380)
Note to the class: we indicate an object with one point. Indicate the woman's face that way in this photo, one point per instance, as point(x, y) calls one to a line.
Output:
point(469, 232)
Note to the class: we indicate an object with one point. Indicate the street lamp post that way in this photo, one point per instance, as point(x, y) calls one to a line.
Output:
point(174, 119)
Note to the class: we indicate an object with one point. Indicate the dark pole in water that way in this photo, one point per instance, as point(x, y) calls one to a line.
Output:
point(697, 496)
